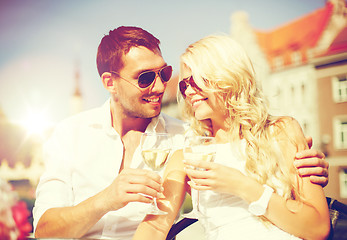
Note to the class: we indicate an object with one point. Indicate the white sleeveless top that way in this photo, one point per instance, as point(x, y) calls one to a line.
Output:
point(226, 216)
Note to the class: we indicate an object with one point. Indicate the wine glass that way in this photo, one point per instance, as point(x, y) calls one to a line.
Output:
point(200, 148)
point(155, 150)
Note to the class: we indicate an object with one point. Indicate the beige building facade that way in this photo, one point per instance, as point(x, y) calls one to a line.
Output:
point(302, 68)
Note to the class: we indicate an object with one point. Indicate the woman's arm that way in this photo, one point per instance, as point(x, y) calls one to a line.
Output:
point(155, 227)
point(308, 219)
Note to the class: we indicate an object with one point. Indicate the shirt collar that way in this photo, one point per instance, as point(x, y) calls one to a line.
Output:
point(156, 125)
point(107, 119)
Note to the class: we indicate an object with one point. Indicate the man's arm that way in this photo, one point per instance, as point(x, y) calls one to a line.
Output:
point(69, 222)
point(312, 163)
point(75, 221)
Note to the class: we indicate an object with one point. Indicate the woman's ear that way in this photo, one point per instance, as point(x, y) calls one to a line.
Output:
point(108, 82)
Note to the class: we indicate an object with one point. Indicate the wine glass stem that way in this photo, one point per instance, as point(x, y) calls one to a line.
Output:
point(197, 200)
point(155, 203)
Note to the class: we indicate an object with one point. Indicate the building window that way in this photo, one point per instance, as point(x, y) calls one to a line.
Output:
point(292, 91)
point(303, 92)
point(343, 182)
point(296, 58)
point(278, 62)
point(278, 92)
point(303, 89)
point(340, 132)
point(304, 127)
point(339, 88)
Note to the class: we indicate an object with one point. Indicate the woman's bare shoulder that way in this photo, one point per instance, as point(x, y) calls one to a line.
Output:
point(287, 128)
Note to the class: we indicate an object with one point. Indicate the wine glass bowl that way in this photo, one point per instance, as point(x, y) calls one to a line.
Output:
point(155, 150)
point(198, 148)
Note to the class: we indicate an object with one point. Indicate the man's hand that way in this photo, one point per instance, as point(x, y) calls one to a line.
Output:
point(132, 185)
point(309, 141)
point(312, 163)
point(75, 221)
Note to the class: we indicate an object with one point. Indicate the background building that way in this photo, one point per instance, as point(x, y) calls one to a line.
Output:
point(303, 67)
point(331, 73)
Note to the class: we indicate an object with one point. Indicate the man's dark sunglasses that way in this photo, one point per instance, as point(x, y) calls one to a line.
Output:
point(184, 85)
point(145, 79)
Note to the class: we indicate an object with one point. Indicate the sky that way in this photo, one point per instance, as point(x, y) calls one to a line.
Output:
point(42, 42)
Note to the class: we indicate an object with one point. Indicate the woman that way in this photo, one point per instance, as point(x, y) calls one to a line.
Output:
point(251, 190)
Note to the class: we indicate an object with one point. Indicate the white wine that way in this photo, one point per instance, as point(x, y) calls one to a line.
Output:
point(155, 158)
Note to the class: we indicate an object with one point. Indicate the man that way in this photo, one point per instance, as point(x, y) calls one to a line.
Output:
point(95, 183)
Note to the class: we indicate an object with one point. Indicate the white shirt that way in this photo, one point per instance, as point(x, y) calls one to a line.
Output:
point(83, 157)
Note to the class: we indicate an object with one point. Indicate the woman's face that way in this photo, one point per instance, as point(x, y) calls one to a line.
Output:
point(205, 104)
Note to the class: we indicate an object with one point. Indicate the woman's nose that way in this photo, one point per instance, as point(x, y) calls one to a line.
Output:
point(190, 90)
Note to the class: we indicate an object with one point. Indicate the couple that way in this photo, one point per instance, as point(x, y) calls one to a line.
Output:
point(94, 172)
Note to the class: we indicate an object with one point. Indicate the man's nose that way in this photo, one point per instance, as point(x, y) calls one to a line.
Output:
point(158, 85)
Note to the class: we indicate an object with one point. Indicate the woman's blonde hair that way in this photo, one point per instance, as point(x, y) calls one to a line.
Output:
point(224, 67)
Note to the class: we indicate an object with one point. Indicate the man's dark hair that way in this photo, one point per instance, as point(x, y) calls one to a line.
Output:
point(118, 43)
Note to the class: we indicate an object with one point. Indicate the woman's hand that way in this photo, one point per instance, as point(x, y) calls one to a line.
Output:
point(213, 176)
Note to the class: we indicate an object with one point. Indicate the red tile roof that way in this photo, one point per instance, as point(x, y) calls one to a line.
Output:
point(339, 45)
point(299, 35)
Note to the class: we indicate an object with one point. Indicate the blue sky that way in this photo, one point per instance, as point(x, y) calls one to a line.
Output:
point(41, 41)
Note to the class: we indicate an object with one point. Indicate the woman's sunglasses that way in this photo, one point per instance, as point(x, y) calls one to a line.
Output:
point(145, 79)
point(183, 85)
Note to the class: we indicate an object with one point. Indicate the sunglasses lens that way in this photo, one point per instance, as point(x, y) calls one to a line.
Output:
point(183, 85)
point(194, 85)
point(183, 88)
point(145, 79)
point(166, 73)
